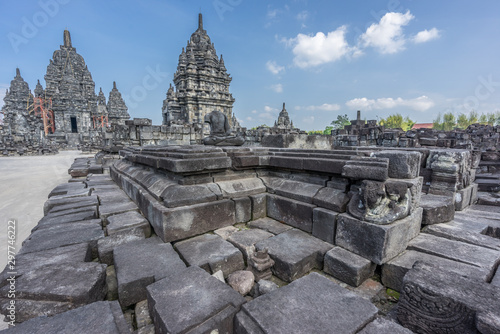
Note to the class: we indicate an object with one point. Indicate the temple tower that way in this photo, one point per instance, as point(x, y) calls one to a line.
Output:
point(117, 110)
point(201, 83)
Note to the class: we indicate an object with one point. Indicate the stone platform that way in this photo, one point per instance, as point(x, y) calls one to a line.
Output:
point(312, 227)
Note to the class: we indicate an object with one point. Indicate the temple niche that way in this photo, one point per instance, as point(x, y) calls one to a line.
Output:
point(201, 84)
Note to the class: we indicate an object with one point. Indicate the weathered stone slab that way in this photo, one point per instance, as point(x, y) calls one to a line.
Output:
point(95, 318)
point(324, 224)
point(259, 206)
point(456, 251)
point(65, 188)
point(434, 301)
point(140, 263)
point(437, 209)
point(106, 245)
point(348, 267)
point(402, 164)
point(332, 199)
point(312, 304)
point(245, 239)
point(54, 205)
point(291, 212)
point(128, 221)
point(295, 253)
point(269, 225)
point(455, 233)
point(30, 261)
point(69, 285)
point(109, 209)
point(394, 270)
point(184, 222)
point(381, 325)
point(212, 253)
point(378, 243)
point(243, 209)
point(463, 197)
point(299, 191)
point(63, 235)
point(241, 188)
point(76, 216)
point(496, 279)
point(192, 301)
point(363, 168)
point(175, 196)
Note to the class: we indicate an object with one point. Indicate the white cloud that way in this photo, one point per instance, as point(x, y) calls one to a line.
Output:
point(254, 111)
point(323, 107)
point(319, 49)
point(278, 88)
point(387, 35)
point(274, 68)
point(303, 15)
point(272, 13)
point(426, 35)
point(421, 103)
point(308, 120)
point(270, 109)
point(249, 118)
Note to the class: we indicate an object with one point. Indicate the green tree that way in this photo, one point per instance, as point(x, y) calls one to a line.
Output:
point(315, 132)
point(462, 121)
point(483, 119)
point(492, 118)
point(448, 121)
point(328, 130)
point(342, 120)
point(408, 123)
point(473, 117)
point(393, 121)
point(436, 124)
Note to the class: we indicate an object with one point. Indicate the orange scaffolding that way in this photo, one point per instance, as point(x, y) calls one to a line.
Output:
point(100, 121)
point(43, 107)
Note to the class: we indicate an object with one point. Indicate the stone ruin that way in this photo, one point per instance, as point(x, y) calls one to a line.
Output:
point(274, 239)
point(67, 113)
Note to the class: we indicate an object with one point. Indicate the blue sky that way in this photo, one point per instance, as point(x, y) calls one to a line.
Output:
point(323, 58)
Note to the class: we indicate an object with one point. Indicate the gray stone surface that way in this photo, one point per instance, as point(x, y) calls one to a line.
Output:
point(114, 208)
point(259, 206)
point(67, 285)
point(457, 251)
point(402, 164)
point(141, 263)
point(381, 325)
point(394, 270)
point(241, 281)
point(244, 240)
point(96, 318)
point(455, 233)
point(265, 286)
point(212, 253)
point(437, 209)
point(434, 301)
point(348, 267)
point(463, 198)
point(295, 253)
point(291, 212)
point(106, 245)
point(184, 222)
point(68, 217)
point(269, 225)
point(300, 191)
point(178, 195)
point(142, 317)
point(193, 301)
point(378, 243)
point(53, 205)
point(242, 187)
point(226, 232)
point(243, 209)
point(63, 235)
point(128, 221)
point(324, 224)
point(332, 199)
point(312, 304)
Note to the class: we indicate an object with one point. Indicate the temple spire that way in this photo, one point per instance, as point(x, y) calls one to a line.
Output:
point(67, 39)
point(18, 72)
point(200, 21)
point(114, 84)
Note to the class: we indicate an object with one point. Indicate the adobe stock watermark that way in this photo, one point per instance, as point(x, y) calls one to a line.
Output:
point(223, 6)
point(150, 82)
point(30, 28)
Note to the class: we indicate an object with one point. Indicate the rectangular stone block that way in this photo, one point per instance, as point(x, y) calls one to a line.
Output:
point(324, 224)
point(377, 243)
point(259, 206)
point(312, 304)
point(141, 263)
point(291, 212)
point(128, 221)
point(105, 246)
point(193, 301)
point(295, 253)
point(269, 225)
point(437, 209)
point(402, 164)
point(332, 199)
point(241, 188)
point(394, 270)
point(463, 197)
point(187, 221)
point(243, 209)
point(348, 267)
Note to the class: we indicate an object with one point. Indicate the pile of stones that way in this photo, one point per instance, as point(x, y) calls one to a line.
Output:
point(258, 240)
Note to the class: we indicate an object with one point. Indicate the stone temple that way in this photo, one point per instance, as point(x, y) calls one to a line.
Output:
point(201, 83)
